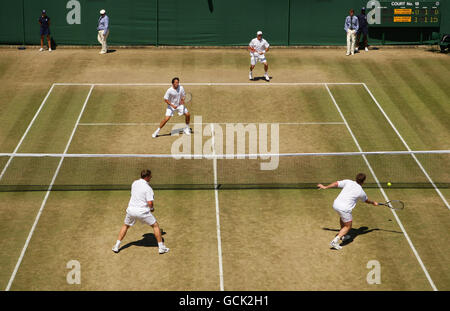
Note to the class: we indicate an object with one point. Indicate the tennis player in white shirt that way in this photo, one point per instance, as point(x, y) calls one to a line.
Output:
point(345, 203)
point(140, 208)
point(174, 98)
point(258, 48)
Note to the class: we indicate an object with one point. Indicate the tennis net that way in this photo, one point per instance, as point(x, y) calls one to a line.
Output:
point(42, 172)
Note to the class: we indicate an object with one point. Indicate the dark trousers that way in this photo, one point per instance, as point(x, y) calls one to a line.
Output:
point(358, 37)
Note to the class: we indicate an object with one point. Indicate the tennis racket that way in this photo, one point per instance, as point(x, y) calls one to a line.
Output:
point(188, 98)
point(394, 204)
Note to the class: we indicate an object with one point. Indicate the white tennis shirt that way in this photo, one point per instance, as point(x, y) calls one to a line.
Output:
point(349, 196)
point(174, 96)
point(141, 193)
point(258, 45)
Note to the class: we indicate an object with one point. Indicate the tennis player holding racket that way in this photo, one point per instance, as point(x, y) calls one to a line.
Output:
point(175, 100)
point(345, 203)
point(258, 48)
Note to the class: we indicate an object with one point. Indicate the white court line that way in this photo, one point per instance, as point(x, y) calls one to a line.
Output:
point(22, 254)
point(384, 194)
point(216, 195)
point(407, 147)
point(217, 84)
point(27, 130)
point(223, 123)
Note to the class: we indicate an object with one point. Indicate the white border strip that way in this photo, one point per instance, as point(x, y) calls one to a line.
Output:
point(26, 131)
point(216, 195)
point(407, 147)
point(384, 194)
point(30, 234)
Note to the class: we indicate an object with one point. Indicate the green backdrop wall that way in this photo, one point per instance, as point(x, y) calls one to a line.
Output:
point(193, 22)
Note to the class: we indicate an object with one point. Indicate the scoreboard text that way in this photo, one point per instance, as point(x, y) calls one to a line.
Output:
point(404, 14)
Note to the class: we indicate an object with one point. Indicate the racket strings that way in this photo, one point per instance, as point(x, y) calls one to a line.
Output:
point(188, 97)
point(396, 204)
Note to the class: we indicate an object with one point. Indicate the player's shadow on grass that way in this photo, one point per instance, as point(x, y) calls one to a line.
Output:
point(261, 78)
point(360, 231)
point(175, 132)
point(148, 240)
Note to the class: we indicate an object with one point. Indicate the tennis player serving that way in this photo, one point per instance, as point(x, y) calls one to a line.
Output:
point(174, 98)
point(345, 202)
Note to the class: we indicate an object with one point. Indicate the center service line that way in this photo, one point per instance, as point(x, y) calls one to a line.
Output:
point(216, 195)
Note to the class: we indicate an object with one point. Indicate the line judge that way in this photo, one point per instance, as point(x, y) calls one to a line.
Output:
point(103, 31)
point(351, 27)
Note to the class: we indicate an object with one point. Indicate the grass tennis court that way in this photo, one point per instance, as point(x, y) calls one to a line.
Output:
point(269, 239)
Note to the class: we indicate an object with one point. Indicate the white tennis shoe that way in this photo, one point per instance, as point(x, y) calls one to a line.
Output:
point(115, 249)
point(163, 250)
point(267, 77)
point(41, 50)
point(366, 49)
point(335, 244)
point(187, 131)
point(155, 134)
point(250, 75)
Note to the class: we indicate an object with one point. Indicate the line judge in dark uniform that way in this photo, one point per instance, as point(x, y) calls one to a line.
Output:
point(363, 29)
point(44, 21)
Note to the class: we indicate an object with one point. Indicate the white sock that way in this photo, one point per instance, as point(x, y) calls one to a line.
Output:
point(157, 130)
point(117, 243)
point(187, 126)
point(160, 244)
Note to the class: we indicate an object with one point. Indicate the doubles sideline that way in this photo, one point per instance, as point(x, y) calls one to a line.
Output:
point(416, 254)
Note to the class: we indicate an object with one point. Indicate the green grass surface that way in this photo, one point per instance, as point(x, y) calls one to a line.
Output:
point(271, 239)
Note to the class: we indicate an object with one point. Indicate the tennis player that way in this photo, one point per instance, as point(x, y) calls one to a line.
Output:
point(258, 48)
point(345, 202)
point(174, 98)
point(141, 207)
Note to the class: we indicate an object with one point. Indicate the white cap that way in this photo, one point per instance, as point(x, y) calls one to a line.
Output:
point(259, 33)
point(102, 11)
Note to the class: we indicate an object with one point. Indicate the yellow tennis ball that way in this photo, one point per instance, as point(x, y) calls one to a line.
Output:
point(389, 184)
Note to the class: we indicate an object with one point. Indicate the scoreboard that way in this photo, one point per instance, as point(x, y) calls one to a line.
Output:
point(405, 14)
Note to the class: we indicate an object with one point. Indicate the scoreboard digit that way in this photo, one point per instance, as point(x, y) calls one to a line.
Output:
point(407, 14)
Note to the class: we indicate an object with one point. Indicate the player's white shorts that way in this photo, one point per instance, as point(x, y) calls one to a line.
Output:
point(255, 58)
point(181, 110)
point(132, 216)
point(346, 216)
